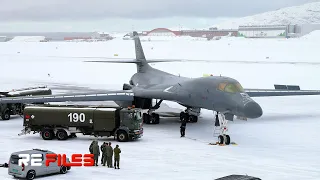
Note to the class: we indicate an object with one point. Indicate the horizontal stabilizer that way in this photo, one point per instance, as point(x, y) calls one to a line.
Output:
point(204, 61)
point(286, 87)
point(132, 60)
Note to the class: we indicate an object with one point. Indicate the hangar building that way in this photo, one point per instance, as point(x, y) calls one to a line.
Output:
point(263, 31)
point(193, 33)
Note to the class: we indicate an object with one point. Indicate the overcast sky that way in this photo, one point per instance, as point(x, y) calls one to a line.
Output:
point(118, 14)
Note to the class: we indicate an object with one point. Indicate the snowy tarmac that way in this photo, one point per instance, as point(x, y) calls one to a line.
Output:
point(282, 144)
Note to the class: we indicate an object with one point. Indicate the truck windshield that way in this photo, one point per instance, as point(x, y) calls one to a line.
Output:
point(138, 116)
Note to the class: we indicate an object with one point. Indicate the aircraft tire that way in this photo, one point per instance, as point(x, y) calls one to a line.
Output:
point(155, 118)
point(227, 140)
point(193, 118)
point(220, 139)
point(146, 118)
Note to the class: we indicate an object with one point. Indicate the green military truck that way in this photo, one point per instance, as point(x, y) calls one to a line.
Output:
point(64, 121)
point(8, 109)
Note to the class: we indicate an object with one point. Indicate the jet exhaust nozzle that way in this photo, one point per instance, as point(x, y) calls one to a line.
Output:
point(126, 87)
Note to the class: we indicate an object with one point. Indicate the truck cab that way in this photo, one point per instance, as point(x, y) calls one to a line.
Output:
point(130, 121)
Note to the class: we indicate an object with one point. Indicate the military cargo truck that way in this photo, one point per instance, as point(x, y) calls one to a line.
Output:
point(6, 110)
point(63, 122)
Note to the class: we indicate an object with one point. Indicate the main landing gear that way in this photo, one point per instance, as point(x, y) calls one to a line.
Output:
point(190, 114)
point(221, 128)
point(150, 117)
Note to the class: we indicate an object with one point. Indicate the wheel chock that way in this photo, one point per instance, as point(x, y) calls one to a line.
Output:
point(216, 143)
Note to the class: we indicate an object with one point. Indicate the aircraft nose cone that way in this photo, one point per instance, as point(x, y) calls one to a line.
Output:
point(252, 110)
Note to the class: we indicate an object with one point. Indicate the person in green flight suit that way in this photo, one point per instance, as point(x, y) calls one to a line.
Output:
point(96, 152)
point(109, 155)
point(117, 152)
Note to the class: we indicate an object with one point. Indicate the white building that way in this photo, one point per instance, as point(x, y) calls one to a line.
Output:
point(101, 36)
point(265, 31)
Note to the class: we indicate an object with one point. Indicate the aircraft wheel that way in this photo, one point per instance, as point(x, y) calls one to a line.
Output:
point(155, 118)
point(146, 118)
point(220, 139)
point(227, 140)
point(193, 118)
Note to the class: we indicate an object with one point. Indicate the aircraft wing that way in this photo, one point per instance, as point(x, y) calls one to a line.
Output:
point(131, 60)
point(122, 95)
point(281, 90)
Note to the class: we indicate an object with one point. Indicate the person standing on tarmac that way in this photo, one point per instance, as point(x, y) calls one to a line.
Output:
point(105, 154)
point(183, 127)
point(102, 148)
point(117, 152)
point(90, 147)
point(96, 152)
point(109, 155)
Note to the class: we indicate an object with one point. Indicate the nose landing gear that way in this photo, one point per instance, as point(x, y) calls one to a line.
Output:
point(220, 129)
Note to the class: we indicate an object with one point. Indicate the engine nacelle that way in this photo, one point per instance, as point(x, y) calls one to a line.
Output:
point(126, 87)
point(143, 103)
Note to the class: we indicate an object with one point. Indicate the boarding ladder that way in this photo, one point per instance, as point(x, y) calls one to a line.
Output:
point(220, 125)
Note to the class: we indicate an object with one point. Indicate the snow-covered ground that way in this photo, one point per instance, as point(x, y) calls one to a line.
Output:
point(282, 144)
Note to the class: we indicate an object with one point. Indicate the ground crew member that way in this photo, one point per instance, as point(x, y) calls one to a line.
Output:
point(96, 152)
point(117, 152)
point(183, 127)
point(109, 155)
point(102, 148)
point(90, 147)
point(105, 154)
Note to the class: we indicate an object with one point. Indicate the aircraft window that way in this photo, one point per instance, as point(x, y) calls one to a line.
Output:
point(231, 88)
point(222, 86)
point(240, 88)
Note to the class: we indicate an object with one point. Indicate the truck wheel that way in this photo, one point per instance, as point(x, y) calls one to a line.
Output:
point(5, 115)
point(61, 134)
point(122, 136)
point(31, 175)
point(47, 134)
point(63, 169)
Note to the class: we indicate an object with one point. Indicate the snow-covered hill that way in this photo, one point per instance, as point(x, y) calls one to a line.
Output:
point(308, 13)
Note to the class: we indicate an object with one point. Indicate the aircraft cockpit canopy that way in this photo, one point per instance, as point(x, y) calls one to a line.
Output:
point(231, 87)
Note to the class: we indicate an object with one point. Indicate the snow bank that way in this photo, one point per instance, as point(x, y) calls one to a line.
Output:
point(314, 35)
point(28, 39)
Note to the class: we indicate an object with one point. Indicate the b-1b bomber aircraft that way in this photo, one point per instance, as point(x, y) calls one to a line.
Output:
point(217, 93)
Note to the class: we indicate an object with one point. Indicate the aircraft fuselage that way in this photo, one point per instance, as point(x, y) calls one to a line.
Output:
point(203, 92)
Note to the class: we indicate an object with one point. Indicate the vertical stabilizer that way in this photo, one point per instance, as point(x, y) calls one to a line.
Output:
point(142, 64)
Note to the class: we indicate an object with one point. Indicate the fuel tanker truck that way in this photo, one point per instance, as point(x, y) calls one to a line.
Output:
point(64, 121)
point(6, 110)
